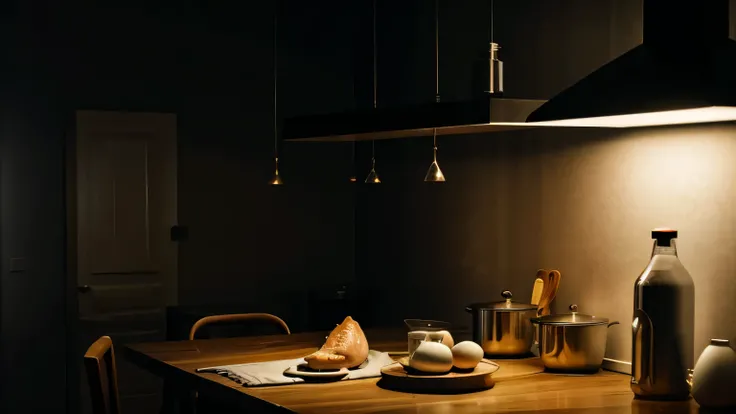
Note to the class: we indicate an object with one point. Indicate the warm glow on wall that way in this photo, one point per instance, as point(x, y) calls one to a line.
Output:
point(676, 117)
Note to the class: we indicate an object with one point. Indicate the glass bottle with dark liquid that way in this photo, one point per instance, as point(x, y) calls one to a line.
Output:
point(663, 326)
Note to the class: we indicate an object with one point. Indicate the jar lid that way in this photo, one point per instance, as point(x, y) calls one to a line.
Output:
point(574, 318)
point(505, 305)
point(426, 325)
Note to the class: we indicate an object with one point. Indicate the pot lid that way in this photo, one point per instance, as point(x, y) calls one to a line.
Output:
point(573, 318)
point(504, 305)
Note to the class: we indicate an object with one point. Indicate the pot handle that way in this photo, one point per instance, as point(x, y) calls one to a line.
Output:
point(613, 323)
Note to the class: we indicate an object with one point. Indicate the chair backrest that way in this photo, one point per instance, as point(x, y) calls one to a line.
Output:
point(240, 318)
point(99, 361)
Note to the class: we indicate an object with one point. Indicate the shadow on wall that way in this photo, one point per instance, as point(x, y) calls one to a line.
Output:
point(582, 201)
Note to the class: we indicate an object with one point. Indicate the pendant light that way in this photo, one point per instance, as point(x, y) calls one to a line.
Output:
point(276, 180)
point(372, 177)
point(353, 178)
point(434, 174)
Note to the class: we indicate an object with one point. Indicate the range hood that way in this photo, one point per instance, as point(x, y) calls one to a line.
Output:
point(485, 112)
point(490, 114)
point(684, 72)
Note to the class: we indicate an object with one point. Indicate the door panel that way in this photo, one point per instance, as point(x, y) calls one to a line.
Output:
point(121, 297)
point(126, 204)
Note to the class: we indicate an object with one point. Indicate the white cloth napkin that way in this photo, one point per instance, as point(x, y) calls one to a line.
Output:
point(272, 372)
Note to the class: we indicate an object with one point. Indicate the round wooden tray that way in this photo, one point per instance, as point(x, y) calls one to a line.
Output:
point(395, 377)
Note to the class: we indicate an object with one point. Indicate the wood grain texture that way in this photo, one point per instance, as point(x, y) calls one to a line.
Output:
point(604, 392)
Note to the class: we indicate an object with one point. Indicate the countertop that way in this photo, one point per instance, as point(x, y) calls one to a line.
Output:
point(603, 392)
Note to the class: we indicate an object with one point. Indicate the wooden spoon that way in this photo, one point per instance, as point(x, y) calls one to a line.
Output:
point(555, 276)
point(550, 291)
point(538, 286)
point(544, 300)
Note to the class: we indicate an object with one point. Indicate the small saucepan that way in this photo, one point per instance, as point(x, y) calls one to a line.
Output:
point(573, 342)
point(503, 329)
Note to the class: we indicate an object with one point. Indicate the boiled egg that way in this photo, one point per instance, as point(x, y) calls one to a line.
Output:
point(447, 339)
point(434, 357)
point(466, 355)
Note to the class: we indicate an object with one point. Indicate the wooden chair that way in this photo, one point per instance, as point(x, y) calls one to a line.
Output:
point(240, 318)
point(99, 361)
point(206, 405)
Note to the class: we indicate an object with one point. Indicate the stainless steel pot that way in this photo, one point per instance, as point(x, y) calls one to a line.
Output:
point(503, 328)
point(573, 342)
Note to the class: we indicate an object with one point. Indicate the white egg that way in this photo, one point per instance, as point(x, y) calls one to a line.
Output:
point(432, 357)
point(466, 355)
point(447, 339)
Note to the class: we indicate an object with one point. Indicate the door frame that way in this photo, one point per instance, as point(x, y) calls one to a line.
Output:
point(73, 373)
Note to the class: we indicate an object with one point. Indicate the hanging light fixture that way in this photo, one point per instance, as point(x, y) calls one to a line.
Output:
point(372, 177)
point(276, 180)
point(353, 178)
point(434, 174)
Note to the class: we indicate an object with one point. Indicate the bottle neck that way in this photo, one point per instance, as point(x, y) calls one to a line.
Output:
point(664, 247)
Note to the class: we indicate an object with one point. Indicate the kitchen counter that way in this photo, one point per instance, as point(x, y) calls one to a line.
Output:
point(604, 392)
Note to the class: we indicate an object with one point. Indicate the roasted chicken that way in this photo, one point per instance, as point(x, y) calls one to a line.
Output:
point(345, 347)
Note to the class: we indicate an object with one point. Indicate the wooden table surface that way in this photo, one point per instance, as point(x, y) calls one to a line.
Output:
point(605, 392)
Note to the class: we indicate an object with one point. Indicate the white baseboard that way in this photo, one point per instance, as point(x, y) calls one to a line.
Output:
point(623, 367)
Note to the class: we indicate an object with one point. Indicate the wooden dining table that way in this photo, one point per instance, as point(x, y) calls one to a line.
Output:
point(177, 362)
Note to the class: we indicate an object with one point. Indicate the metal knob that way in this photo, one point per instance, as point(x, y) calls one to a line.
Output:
point(506, 294)
point(84, 288)
point(574, 308)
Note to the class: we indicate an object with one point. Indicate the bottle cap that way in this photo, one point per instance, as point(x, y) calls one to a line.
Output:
point(664, 234)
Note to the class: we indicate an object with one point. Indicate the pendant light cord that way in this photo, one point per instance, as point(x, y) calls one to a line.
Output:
point(490, 31)
point(373, 155)
point(375, 81)
point(437, 50)
point(436, 67)
point(375, 60)
point(275, 83)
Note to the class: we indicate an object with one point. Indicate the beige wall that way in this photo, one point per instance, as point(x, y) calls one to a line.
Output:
point(601, 198)
point(581, 201)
